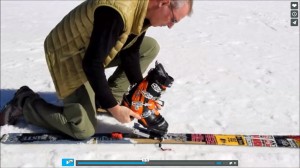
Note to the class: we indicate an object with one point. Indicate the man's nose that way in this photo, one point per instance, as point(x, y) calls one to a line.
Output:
point(170, 25)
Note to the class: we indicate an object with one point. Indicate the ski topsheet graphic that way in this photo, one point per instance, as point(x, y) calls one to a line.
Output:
point(287, 141)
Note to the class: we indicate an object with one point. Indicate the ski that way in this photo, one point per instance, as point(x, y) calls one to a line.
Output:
point(137, 137)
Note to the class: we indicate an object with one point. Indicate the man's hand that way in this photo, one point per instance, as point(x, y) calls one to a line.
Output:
point(123, 114)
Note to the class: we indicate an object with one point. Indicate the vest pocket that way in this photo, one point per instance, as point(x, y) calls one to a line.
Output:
point(66, 56)
point(71, 70)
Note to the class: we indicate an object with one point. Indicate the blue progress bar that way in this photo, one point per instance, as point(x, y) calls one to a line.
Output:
point(156, 163)
point(109, 163)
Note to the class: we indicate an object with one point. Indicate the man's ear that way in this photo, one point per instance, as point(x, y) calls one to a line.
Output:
point(162, 3)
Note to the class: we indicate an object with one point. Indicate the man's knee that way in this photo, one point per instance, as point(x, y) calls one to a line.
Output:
point(84, 134)
point(81, 126)
point(155, 47)
point(150, 47)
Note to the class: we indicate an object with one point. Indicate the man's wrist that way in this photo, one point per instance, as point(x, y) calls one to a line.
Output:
point(114, 109)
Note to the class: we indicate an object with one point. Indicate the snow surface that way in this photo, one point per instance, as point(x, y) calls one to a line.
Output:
point(236, 70)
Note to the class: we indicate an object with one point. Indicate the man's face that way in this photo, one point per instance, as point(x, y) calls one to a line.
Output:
point(166, 15)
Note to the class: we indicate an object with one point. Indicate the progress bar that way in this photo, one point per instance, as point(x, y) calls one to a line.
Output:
point(157, 163)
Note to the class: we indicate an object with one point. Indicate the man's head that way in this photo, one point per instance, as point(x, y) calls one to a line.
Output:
point(168, 12)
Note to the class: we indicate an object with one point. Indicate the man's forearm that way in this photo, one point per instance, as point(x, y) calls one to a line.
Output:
point(108, 25)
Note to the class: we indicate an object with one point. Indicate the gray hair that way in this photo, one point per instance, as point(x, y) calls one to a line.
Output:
point(177, 4)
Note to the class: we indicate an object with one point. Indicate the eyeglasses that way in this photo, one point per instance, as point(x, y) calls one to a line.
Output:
point(173, 19)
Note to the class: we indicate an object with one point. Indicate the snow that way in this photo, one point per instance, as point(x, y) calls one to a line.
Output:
point(236, 70)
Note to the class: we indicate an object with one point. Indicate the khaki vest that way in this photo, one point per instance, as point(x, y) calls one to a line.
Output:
point(66, 44)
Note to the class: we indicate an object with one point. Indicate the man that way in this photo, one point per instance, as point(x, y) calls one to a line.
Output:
point(96, 35)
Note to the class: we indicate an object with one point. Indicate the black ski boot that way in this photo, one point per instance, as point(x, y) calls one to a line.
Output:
point(143, 99)
point(12, 111)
